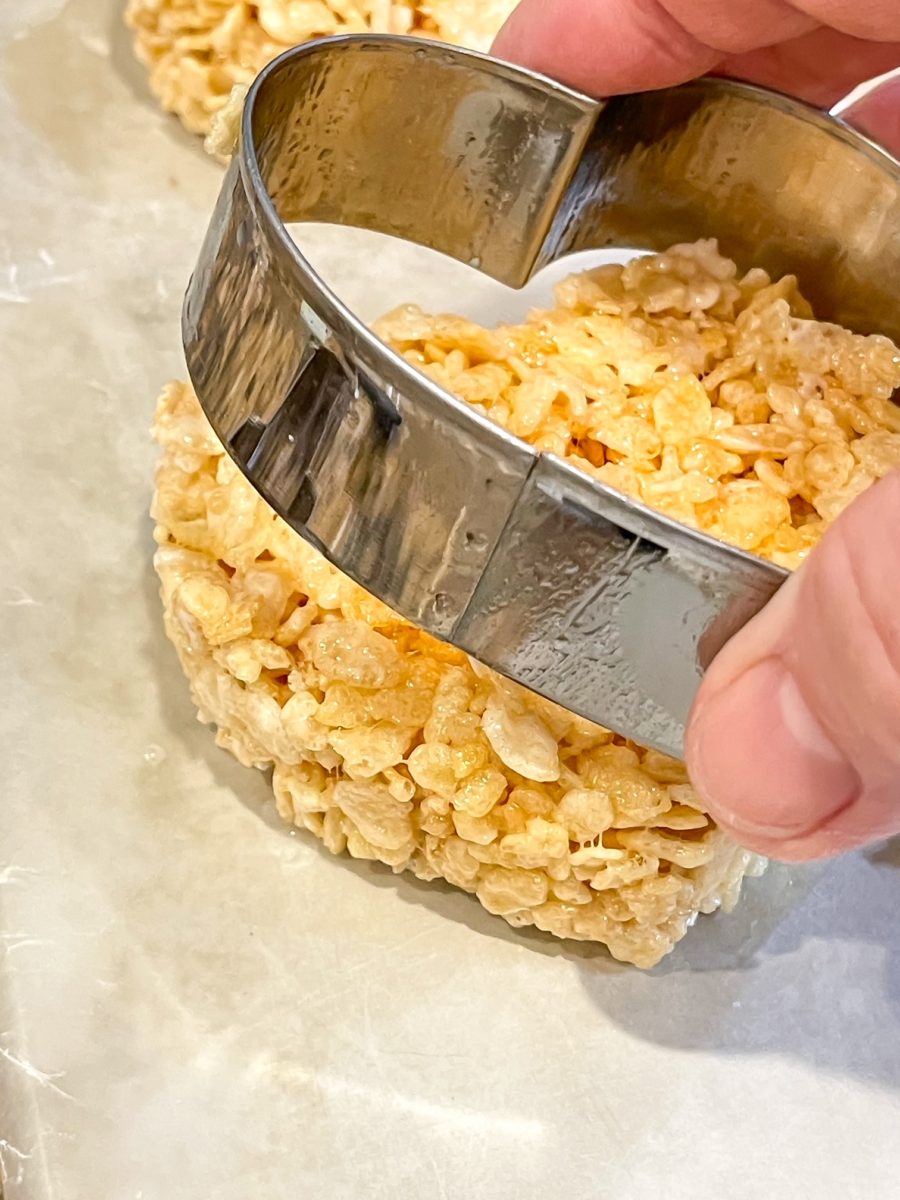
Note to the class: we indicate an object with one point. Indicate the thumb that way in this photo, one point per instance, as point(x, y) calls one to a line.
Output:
point(794, 740)
point(878, 115)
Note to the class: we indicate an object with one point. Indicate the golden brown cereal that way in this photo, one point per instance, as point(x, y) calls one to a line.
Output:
point(196, 51)
point(714, 398)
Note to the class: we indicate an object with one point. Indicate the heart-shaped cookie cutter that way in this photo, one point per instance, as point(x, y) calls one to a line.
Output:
point(531, 566)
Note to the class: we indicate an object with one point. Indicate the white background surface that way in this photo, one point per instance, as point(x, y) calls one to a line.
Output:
point(197, 1005)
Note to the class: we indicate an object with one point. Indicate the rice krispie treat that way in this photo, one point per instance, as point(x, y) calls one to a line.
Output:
point(197, 50)
point(715, 398)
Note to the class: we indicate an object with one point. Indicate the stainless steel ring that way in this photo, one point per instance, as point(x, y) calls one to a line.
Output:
point(516, 557)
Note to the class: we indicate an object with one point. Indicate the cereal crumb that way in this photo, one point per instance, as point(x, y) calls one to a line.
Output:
point(225, 129)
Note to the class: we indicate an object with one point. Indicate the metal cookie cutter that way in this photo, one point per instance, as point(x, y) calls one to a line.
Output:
point(516, 557)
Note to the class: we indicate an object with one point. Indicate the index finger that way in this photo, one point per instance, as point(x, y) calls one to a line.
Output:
point(606, 47)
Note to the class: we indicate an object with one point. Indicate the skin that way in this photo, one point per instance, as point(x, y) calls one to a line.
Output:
point(794, 741)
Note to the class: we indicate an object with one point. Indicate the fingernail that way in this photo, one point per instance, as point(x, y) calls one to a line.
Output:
point(761, 760)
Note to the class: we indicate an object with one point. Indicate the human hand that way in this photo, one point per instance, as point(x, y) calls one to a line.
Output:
point(794, 741)
point(818, 50)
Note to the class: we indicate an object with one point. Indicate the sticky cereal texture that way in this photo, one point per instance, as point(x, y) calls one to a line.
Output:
point(196, 51)
point(713, 397)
